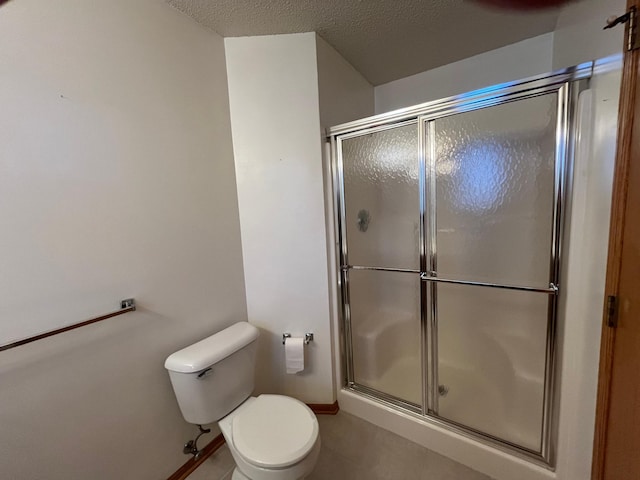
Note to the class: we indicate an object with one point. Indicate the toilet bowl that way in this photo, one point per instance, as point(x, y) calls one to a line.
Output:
point(271, 437)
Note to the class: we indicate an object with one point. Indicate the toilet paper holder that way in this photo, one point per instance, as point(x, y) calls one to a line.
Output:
point(308, 337)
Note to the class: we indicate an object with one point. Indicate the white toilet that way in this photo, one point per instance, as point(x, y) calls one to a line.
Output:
point(271, 437)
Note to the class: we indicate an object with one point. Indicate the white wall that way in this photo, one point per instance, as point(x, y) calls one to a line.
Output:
point(273, 93)
point(283, 90)
point(514, 62)
point(116, 180)
point(588, 236)
point(344, 94)
point(579, 36)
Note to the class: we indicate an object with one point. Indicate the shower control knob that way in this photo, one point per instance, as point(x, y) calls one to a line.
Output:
point(443, 390)
point(363, 220)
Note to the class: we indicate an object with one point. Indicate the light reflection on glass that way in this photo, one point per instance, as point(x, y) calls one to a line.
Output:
point(494, 192)
point(480, 174)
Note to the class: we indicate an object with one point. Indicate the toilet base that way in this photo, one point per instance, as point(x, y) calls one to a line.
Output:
point(238, 475)
point(299, 471)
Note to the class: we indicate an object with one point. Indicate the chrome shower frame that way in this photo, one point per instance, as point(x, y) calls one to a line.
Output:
point(567, 84)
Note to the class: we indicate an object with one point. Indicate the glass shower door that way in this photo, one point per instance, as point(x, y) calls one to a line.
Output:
point(381, 261)
point(493, 180)
point(450, 227)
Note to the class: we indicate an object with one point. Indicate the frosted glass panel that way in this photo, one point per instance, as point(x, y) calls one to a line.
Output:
point(385, 330)
point(491, 348)
point(382, 198)
point(494, 192)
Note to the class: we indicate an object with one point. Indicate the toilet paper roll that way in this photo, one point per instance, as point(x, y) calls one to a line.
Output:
point(294, 354)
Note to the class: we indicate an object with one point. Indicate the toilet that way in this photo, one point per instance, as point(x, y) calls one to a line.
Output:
point(271, 437)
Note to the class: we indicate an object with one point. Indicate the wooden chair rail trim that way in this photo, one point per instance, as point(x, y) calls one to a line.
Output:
point(58, 331)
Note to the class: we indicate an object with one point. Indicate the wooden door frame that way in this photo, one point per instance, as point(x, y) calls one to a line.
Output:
point(624, 150)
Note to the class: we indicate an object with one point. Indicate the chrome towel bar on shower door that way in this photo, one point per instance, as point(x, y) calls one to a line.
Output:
point(552, 289)
point(127, 305)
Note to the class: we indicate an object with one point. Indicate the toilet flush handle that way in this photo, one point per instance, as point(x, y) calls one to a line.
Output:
point(205, 373)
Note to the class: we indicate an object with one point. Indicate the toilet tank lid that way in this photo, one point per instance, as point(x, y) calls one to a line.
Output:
point(211, 350)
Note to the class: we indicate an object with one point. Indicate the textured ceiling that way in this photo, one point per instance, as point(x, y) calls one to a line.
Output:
point(383, 39)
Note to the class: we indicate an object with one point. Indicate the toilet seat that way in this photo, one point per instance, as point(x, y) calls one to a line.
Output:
point(274, 431)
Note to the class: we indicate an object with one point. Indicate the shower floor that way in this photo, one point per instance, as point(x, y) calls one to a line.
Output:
point(353, 449)
point(401, 379)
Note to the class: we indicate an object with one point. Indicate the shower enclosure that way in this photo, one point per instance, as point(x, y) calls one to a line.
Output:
point(449, 218)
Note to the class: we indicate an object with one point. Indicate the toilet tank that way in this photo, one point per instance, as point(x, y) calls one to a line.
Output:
point(212, 377)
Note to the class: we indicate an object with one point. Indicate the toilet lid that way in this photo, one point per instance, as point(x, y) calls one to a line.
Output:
point(274, 431)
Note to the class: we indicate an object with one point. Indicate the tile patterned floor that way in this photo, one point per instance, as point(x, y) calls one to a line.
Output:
point(353, 449)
